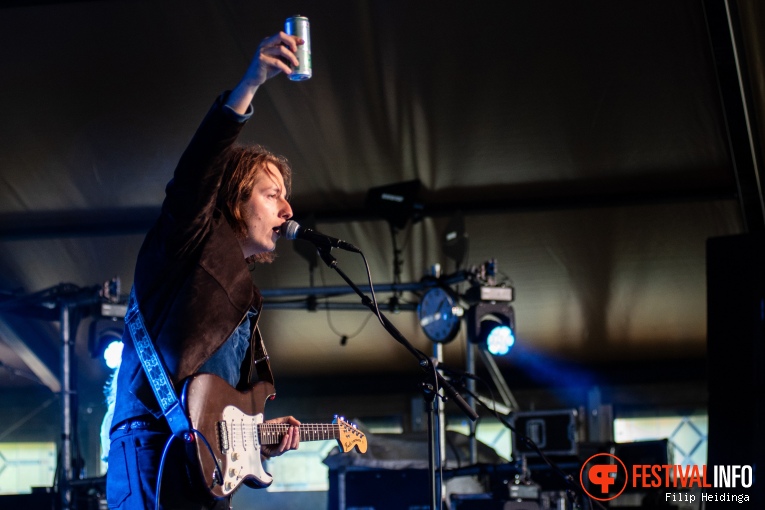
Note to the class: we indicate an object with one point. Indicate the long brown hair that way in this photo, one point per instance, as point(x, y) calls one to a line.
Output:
point(243, 166)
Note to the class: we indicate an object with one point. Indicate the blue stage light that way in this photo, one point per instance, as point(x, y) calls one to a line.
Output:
point(500, 340)
point(492, 327)
point(113, 353)
point(105, 340)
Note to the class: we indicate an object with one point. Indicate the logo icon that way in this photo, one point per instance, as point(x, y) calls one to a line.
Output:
point(603, 476)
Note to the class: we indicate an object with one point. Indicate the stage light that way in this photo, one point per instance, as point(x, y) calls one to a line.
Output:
point(396, 203)
point(113, 351)
point(499, 338)
point(105, 340)
point(492, 327)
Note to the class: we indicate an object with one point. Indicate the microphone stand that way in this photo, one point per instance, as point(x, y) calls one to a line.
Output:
point(431, 382)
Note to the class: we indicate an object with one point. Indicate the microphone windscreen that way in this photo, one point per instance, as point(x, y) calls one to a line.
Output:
point(289, 230)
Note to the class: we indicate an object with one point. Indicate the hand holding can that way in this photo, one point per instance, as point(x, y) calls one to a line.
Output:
point(300, 27)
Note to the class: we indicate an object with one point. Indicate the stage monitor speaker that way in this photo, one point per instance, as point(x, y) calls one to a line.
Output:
point(38, 500)
point(488, 502)
point(379, 489)
point(554, 432)
point(657, 452)
point(736, 356)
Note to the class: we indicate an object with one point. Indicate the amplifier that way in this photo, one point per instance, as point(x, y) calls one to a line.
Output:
point(487, 502)
point(554, 432)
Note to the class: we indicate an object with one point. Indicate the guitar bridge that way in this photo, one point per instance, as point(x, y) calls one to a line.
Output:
point(222, 436)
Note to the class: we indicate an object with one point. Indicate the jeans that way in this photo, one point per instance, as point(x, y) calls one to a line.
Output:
point(131, 479)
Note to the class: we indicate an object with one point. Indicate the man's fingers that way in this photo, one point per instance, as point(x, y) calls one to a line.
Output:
point(282, 50)
point(275, 62)
point(290, 55)
point(291, 439)
point(290, 41)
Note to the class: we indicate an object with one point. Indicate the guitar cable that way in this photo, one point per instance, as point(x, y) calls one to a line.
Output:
point(170, 440)
point(161, 470)
point(212, 454)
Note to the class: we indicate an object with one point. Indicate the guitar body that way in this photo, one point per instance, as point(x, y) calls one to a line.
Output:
point(226, 419)
point(229, 432)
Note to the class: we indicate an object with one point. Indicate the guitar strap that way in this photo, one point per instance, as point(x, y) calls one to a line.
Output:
point(155, 370)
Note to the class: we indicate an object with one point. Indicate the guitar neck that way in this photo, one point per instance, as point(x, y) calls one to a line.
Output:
point(272, 433)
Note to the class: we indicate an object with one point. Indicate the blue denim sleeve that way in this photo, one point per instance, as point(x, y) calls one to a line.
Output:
point(238, 117)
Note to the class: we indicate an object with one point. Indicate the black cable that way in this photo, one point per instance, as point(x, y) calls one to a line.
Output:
point(372, 290)
point(423, 357)
point(201, 436)
point(170, 440)
point(343, 337)
point(161, 469)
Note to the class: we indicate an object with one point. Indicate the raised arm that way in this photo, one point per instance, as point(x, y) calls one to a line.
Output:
point(274, 55)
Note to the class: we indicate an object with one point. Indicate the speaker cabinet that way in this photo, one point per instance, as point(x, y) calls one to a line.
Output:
point(379, 489)
point(736, 359)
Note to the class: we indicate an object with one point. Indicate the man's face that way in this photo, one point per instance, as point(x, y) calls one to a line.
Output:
point(265, 212)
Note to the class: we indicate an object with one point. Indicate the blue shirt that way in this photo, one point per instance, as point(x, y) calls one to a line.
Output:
point(226, 361)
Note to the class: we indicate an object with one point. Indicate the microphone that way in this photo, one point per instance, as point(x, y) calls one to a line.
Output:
point(292, 230)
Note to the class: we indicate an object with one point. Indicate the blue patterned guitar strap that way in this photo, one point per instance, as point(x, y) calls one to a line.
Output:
point(155, 371)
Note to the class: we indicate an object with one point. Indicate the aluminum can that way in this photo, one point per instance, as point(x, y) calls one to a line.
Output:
point(299, 26)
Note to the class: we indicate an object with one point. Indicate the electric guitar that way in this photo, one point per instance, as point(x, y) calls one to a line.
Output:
point(229, 431)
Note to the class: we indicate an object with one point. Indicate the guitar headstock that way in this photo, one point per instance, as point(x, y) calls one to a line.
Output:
point(350, 436)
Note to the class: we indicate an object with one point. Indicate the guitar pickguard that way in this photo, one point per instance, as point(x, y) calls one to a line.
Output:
point(240, 449)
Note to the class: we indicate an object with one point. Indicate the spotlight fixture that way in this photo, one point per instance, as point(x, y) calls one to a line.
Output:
point(491, 325)
point(105, 340)
point(396, 203)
